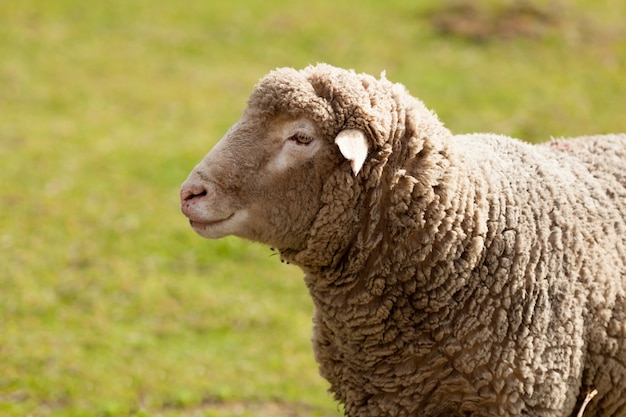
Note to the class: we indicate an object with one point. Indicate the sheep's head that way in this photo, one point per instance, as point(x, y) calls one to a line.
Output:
point(263, 181)
point(266, 178)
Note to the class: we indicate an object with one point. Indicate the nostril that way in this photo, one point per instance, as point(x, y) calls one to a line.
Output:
point(191, 192)
point(195, 195)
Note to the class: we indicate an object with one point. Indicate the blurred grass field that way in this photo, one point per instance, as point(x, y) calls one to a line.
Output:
point(109, 304)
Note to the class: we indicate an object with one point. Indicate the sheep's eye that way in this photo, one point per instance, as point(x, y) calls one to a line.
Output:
point(302, 139)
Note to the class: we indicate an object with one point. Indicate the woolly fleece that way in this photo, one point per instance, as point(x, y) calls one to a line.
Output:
point(456, 275)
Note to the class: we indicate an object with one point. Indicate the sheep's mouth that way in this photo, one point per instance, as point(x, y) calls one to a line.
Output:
point(199, 224)
point(213, 229)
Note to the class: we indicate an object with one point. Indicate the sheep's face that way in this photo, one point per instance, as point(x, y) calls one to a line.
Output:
point(263, 180)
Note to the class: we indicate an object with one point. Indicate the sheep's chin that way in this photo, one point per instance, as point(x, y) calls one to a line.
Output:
point(219, 228)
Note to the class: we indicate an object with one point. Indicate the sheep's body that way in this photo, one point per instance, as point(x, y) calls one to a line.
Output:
point(514, 303)
point(470, 275)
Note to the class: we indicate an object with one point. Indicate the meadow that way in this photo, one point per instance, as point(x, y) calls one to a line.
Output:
point(110, 305)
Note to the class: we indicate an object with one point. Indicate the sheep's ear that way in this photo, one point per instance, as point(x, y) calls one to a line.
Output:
point(353, 146)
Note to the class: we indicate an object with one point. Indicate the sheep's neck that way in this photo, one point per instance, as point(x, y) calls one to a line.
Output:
point(404, 241)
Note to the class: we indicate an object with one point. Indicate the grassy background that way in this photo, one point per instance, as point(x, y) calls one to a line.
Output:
point(109, 304)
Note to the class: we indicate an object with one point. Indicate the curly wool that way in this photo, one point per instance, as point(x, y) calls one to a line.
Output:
point(460, 275)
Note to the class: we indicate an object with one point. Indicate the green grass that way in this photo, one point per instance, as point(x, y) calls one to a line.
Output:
point(109, 304)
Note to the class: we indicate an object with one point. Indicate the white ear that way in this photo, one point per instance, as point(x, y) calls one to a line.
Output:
point(353, 147)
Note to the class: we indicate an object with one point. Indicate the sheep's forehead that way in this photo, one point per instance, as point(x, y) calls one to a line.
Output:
point(285, 90)
point(320, 91)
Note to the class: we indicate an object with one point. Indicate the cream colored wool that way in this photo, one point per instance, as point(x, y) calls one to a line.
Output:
point(469, 275)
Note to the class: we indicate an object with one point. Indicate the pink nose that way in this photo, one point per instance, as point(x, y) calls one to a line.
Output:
point(190, 194)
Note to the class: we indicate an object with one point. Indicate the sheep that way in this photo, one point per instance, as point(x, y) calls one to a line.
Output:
point(452, 275)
